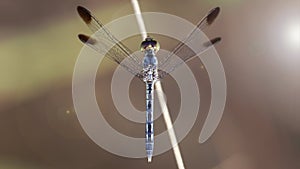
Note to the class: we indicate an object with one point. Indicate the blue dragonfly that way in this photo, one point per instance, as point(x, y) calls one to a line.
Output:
point(150, 69)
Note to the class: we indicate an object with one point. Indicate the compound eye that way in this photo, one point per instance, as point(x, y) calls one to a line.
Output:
point(144, 45)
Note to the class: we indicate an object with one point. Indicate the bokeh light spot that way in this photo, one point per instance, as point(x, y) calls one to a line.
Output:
point(293, 35)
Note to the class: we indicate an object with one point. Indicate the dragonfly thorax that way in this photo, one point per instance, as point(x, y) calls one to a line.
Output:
point(150, 66)
point(150, 58)
point(150, 47)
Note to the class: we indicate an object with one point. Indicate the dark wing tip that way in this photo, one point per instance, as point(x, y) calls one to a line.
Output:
point(86, 39)
point(212, 15)
point(212, 41)
point(84, 14)
point(215, 40)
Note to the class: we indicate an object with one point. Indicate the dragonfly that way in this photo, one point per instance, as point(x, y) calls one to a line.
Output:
point(149, 69)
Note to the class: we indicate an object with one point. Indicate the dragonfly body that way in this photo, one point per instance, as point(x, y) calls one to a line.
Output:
point(150, 75)
point(148, 70)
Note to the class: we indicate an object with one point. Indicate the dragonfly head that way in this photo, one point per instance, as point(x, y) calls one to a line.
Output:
point(149, 44)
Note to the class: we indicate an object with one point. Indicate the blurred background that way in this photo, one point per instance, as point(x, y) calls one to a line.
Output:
point(260, 52)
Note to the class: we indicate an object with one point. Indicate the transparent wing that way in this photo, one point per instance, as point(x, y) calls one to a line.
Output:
point(169, 64)
point(105, 43)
